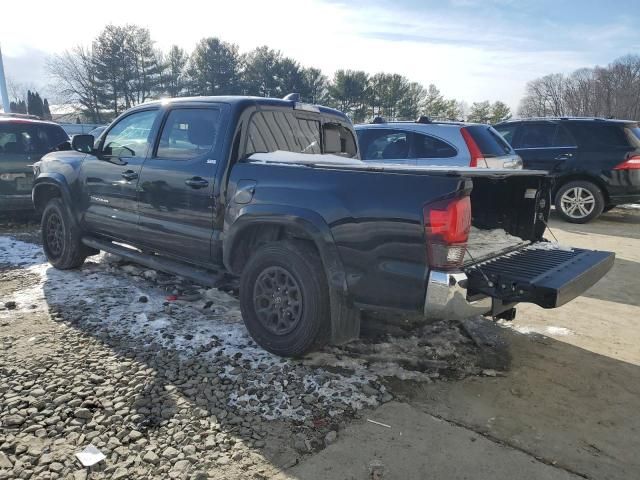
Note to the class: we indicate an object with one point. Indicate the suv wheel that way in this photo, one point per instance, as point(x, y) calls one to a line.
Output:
point(60, 239)
point(579, 201)
point(284, 298)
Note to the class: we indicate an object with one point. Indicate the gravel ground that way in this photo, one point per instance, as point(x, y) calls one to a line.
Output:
point(161, 376)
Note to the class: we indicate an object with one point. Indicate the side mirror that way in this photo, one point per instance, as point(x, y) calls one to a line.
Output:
point(82, 143)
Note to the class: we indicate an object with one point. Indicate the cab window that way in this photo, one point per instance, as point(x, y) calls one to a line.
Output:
point(188, 133)
point(130, 136)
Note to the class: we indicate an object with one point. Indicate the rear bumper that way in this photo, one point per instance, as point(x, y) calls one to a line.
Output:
point(447, 298)
point(15, 202)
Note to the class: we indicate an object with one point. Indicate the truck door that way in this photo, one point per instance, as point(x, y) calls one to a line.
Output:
point(175, 192)
point(111, 176)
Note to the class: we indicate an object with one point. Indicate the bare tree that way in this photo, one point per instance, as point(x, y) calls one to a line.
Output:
point(76, 81)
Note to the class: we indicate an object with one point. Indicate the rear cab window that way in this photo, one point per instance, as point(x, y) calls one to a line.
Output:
point(489, 141)
point(272, 131)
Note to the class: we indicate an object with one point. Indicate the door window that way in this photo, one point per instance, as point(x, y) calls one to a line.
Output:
point(563, 138)
point(377, 144)
point(188, 133)
point(536, 135)
point(507, 132)
point(427, 146)
point(130, 136)
point(282, 131)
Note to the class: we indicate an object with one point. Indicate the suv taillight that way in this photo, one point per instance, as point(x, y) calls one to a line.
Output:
point(474, 151)
point(446, 228)
point(631, 163)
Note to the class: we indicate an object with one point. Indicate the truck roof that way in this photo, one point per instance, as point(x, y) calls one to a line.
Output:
point(241, 101)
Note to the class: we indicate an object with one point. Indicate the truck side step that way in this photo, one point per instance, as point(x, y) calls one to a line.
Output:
point(201, 276)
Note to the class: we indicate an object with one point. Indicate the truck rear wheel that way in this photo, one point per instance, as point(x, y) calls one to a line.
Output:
point(579, 201)
point(60, 238)
point(284, 298)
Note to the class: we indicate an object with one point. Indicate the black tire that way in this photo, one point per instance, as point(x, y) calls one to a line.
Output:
point(292, 332)
point(60, 237)
point(579, 201)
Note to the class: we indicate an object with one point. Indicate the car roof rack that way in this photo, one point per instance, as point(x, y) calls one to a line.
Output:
point(377, 120)
point(423, 119)
point(292, 97)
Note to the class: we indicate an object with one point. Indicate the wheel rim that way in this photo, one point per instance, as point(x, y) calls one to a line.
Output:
point(577, 202)
point(277, 300)
point(54, 234)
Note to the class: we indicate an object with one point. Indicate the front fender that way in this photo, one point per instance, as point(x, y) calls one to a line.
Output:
point(56, 180)
point(300, 218)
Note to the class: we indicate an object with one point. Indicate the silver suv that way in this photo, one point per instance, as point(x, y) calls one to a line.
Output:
point(432, 143)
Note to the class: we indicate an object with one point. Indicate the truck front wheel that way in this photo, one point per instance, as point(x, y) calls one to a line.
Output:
point(284, 298)
point(60, 238)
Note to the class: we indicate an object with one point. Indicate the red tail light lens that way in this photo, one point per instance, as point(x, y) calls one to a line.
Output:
point(446, 227)
point(474, 150)
point(631, 163)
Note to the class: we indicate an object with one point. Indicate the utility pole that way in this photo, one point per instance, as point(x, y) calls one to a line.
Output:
point(4, 96)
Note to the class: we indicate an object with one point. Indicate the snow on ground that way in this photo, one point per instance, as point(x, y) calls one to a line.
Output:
point(110, 300)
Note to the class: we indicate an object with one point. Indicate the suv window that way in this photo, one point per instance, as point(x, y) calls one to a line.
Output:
point(426, 146)
point(563, 138)
point(339, 140)
point(130, 136)
point(489, 141)
point(383, 144)
point(188, 133)
point(598, 135)
point(273, 131)
point(507, 132)
point(536, 135)
point(29, 138)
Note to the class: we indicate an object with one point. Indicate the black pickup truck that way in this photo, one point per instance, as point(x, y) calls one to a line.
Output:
point(272, 192)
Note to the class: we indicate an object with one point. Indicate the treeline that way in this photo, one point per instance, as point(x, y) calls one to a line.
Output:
point(123, 68)
point(33, 105)
point(611, 91)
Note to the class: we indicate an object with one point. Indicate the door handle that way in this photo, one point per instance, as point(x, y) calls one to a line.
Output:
point(196, 182)
point(129, 175)
point(564, 156)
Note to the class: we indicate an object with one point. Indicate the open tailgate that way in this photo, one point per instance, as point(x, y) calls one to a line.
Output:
point(544, 274)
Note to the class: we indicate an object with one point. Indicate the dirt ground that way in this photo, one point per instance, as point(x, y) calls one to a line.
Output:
point(552, 395)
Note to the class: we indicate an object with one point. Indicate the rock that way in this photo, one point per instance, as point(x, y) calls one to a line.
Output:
point(62, 399)
point(330, 437)
point(5, 462)
point(189, 450)
point(14, 420)
point(151, 457)
point(200, 476)
point(180, 468)
point(10, 305)
point(302, 443)
point(135, 435)
point(143, 299)
point(45, 459)
point(56, 467)
point(120, 474)
point(93, 378)
point(80, 475)
point(170, 453)
point(83, 413)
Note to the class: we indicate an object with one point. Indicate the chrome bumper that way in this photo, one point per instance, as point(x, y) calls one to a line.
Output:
point(446, 298)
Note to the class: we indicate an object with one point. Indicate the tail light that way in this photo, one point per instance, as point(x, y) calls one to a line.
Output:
point(446, 227)
point(631, 163)
point(476, 155)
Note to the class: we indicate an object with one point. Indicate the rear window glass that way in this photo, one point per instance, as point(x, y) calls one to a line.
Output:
point(633, 134)
point(273, 131)
point(427, 146)
point(600, 135)
point(489, 141)
point(30, 138)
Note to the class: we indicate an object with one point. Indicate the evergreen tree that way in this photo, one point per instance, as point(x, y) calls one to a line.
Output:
point(46, 110)
point(349, 92)
point(316, 86)
point(480, 112)
point(499, 112)
point(174, 78)
point(214, 68)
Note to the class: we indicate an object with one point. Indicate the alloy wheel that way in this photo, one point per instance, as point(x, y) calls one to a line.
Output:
point(55, 235)
point(577, 202)
point(277, 299)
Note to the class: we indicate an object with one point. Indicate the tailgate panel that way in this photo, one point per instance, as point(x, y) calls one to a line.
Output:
point(540, 274)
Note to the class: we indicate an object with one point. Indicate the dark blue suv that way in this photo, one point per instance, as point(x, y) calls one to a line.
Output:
point(596, 161)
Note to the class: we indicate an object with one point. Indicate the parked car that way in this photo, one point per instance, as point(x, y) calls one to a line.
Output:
point(596, 161)
point(23, 141)
point(272, 192)
point(426, 142)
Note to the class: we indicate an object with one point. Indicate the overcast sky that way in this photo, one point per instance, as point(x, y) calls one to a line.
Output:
point(470, 49)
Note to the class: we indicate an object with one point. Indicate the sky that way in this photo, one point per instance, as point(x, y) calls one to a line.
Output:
point(472, 50)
